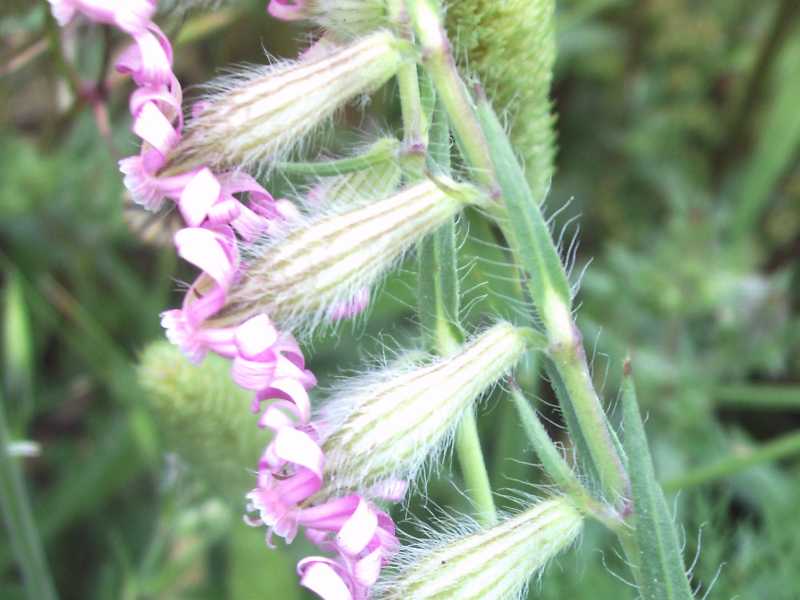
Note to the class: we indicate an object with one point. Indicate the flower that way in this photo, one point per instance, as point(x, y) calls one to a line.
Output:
point(323, 473)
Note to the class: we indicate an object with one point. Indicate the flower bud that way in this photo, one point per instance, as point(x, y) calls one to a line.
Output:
point(490, 564)
point(342, 18)
point(297, 277)
point(262, 114)
point(384, 428)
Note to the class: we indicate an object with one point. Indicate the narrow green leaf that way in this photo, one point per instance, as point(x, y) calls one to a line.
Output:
point(744, 458)
point(662, 572)
point(758, 397)
point(524, 223)
point(19, 523)
point(17, 352)
point(779, 139)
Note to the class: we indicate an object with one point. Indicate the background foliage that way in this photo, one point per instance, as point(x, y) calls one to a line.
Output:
point(678, 138)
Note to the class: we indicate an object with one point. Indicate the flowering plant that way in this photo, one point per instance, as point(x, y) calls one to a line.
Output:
point(274, 270)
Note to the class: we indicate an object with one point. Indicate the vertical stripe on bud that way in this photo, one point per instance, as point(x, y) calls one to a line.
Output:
point(262, 114)
point(385, 427)
point(296, 277)
point(491, 564)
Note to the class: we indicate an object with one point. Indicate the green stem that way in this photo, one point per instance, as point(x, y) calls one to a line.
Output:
point(758, 397)
point(555, 465)
point(439, 310)
point(20, 524)
point(782, 447)
point(488, 151)
point(439, 64)
point(415, 123)
point(380, 152)
point(473, 467)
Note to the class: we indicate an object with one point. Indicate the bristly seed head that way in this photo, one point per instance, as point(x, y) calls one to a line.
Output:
point(295, 277)
point(384, 427)
point(263, 113)
point(490, 564)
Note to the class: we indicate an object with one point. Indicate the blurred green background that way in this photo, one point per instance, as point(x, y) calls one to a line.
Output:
point(679, 134)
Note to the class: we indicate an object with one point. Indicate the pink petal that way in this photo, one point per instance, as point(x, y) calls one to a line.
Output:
point(368, 569)
point(255, 336)
point(198, 197)
point(358, 530)
point(320, 577)
point(154, 128)
point(212, 251)
point(297, 447)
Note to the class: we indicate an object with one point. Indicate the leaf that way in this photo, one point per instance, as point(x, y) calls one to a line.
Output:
point(525, 225)
point(662, 572)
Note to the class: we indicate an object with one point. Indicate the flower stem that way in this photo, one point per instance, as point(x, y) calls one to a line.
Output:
point(487, 150)
point(20, 524)
point(380, 152)
point(438, 310)
point(555, 465)
point(473, 468)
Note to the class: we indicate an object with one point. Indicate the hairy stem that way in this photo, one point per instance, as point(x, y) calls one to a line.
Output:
point(438, 309)
point(487, 150)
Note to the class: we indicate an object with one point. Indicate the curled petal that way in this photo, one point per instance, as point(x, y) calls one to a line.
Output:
point(256, 336)
point(145, 187)
point(149, 59)
point(154, 128)
point(129, 15)
point(323, 577)
point(295, 446)
point(213, 251)
point(199, 195)
point(358, 530)
point(367, 570)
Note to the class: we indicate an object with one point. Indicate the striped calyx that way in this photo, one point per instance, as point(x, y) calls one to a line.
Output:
point(263, 113)
point(385, 427)
point(490, 564)
point(296, 277)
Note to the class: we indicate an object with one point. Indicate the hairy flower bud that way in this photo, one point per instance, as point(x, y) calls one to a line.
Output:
point(298, 277)
point(263, 113)
point(490, 564)
point(342, 18)
point(385, 427)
